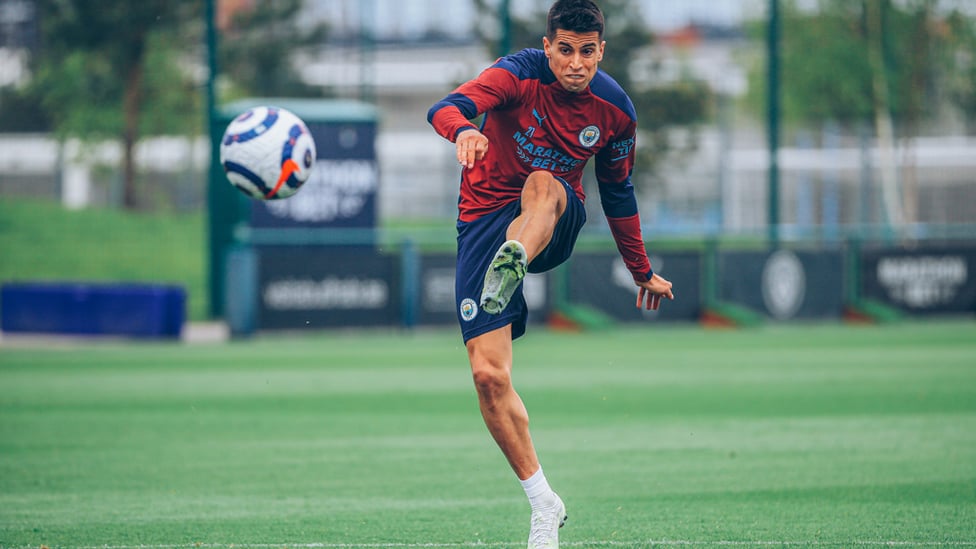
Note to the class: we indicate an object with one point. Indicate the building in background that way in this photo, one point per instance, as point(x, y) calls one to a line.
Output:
point(406, 54)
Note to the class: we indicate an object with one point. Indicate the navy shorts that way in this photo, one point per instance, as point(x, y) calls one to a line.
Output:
point(477, 243)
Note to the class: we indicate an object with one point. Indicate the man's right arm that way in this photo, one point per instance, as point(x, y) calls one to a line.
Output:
point(453, 114)
point(451, 117)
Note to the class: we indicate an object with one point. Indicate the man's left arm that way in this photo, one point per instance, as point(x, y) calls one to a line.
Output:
point(614, 167)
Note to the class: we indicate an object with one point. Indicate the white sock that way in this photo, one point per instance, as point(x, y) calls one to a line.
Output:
point(538, 491)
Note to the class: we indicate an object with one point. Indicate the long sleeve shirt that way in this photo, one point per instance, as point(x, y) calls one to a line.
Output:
point(533, 123)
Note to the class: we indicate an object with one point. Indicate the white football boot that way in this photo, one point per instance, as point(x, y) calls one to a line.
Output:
point(546, 522)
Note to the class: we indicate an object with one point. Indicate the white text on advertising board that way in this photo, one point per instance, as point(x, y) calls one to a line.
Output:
point(329, 293)
point(335, 190)
point(923, 281)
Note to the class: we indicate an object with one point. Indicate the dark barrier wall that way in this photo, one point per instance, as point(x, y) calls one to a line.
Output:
point(922, 280)
point(437, 303)
point(326, 287)
point(318, 286)
point(437, 290)
point(601, 281)
point(784, 284)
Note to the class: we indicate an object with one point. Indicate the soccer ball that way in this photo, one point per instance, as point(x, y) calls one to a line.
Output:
point(267, 152)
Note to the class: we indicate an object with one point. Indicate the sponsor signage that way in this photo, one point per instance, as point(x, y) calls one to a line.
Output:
point(436, 304)
point(921, 281)
point(602, 281)
point(325, 287)
point(784, 284)
point(342, 189)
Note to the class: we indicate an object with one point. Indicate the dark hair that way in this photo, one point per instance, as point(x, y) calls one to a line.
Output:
point(580, 16)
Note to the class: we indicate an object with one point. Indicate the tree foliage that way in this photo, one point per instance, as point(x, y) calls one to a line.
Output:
point(960, 70)
point(111, 70)
point(827, 73)
point(258, 46)
point(21, 111)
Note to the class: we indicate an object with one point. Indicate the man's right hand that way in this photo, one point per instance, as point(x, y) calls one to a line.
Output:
point(472, 145)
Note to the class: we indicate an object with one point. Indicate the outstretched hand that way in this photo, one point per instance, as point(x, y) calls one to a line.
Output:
point(471, 147)
point(652, 291)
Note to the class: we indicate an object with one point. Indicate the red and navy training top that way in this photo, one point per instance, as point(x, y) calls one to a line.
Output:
point(532, 123)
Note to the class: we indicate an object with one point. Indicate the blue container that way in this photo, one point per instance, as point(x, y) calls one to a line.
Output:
point(132, 310)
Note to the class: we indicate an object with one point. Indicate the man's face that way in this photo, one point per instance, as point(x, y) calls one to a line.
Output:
point(573, 57)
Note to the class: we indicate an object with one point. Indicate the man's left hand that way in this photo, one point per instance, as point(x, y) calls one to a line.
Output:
point(652, 291)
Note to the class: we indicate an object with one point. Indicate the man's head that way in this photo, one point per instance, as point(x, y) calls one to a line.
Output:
point(574, 42)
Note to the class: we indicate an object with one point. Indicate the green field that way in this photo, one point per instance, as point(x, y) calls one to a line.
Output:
point(780, 436)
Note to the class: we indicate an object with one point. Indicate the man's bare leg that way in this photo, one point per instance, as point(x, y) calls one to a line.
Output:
point(501, 407)
point(508, 422)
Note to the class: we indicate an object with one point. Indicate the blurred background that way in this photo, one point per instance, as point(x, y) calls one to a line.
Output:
point(797, 159)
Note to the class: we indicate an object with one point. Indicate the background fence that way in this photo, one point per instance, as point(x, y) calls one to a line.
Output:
point(866, 209)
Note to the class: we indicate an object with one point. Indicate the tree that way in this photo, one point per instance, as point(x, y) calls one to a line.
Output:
point(885, 64)
point(21, 111)
point(960, 70)
point(524, 32)
point(111, 69)
point(828, 74)
point(259, 44)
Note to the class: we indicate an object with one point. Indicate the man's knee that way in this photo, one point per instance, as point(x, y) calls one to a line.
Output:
point(543, 190)
point(490, 370)
point(490, 381)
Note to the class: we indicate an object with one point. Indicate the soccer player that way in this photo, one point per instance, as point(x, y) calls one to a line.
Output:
point(546, 113)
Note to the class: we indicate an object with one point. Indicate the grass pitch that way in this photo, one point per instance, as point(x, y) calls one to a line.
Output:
point(781, 436)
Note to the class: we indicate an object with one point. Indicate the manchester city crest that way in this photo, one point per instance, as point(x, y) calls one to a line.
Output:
point(469, 309)
point(589, 136)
